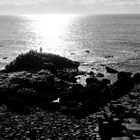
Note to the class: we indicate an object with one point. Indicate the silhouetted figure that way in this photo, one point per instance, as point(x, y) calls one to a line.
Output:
point(40, 49)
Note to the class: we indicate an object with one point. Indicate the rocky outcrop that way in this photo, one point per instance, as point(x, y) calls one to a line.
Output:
point(37, 79)
point(37, 61)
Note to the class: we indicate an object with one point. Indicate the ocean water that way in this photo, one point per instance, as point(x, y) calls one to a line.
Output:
point(94, 40)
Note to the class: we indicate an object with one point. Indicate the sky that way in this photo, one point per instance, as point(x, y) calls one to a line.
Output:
point(69, 6)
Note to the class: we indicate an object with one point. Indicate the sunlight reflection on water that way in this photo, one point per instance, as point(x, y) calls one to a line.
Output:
point(50, 31)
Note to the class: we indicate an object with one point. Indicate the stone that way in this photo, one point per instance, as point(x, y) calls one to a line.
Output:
point(87, 51)
point(99, 75)
point(111, 70)
point(133, 129)
point(136, 77)
point(121, 138)
point(122, 86)
point(123, 74)
point(92, 91)
point(91, 80)
point(106, 81)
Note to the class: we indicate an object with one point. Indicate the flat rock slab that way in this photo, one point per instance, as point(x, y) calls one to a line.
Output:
point(120, 138)
point(133, 127)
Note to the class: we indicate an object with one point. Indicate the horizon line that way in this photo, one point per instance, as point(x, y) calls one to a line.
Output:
point(69, 14)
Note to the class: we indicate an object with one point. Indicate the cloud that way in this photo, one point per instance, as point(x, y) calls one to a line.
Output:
point(42, 6)
point(71, 2)
point(20, 2)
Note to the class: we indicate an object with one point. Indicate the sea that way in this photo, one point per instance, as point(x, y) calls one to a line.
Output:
point(95, 41)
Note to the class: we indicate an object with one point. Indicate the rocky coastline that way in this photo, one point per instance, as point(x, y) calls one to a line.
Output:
point(40, 98)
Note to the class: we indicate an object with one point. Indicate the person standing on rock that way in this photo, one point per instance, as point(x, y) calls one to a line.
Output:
point(40, 49)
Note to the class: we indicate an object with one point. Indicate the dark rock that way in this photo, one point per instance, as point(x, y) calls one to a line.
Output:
point(74, 95)
point(100, 75)
point(104, 130)
point(4, 57)
point(134, 95)
point(124, 74)
point(90, 105)
point(110, 128)
point(87, 51)
point(115, 127)
point(70, 104)
point(136, 78)
point(68, 100)
point(110, 70)
point(20, 80)
point(105, 94)
point(4, 95)
point(76, 90)
point(30, 96)
point(106, 81)
point(92, 91)
point(92, 80)
point(33, 60)
point(117, 92)
point(123, 85)
point(44, 88)
point(52, 106)
point(115, 108)
point(108, 56)
point(17, 105)
point(67, 77)
point(15, 87)
point(72, 53)
point(91, 73)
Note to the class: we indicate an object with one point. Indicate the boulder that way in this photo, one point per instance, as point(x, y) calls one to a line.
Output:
point(136, 78)
point(123, 85)
point(115, 127)
point(111, 70)
point(99, 75)
point(106, 81)
point(106, 94)
point(115, 108)
point(124, 75)
point(92, 91)
point(76, 91)
point(73, 95)
point(87, 51)
point(91, 80)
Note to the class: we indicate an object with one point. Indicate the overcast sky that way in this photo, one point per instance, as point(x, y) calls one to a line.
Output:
point(69, 6)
